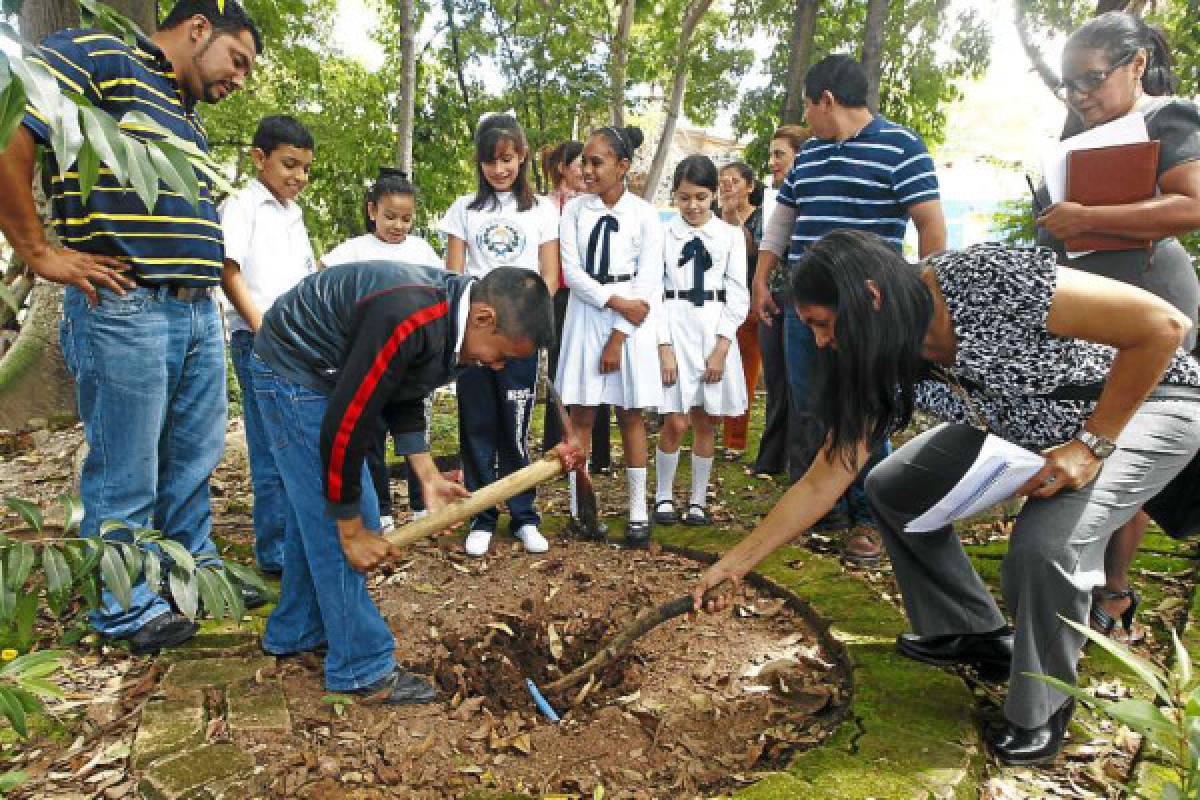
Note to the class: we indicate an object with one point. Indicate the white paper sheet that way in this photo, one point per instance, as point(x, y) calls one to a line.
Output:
point(999, 470)
point(1128, 129)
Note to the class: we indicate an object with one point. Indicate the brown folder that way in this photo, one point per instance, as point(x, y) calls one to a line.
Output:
point(1111, 176)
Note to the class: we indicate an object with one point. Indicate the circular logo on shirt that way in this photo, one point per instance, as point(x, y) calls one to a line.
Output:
point(501, 239)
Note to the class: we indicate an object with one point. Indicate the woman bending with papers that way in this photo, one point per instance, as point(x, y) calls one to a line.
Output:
point(990, 336)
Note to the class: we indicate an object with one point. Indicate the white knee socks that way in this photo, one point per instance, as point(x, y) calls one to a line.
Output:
point(637, 493)
point(701, 469)
point(664, 474)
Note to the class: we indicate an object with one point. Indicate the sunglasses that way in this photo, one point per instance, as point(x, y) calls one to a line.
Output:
point(1091, 80)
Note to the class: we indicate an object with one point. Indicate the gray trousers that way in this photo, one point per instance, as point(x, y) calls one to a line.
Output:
point(1055, 557)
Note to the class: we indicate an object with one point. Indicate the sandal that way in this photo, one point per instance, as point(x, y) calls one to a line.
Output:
point(862, 546)
point(1105, 622)
point(696, 516)
point(665, 513)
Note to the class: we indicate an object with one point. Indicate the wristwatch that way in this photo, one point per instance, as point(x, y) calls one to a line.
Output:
point(1101, 447)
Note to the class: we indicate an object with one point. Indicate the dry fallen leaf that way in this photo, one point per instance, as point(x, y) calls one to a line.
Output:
point(556, 647)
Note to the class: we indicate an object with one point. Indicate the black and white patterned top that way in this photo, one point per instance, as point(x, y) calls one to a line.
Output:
point(999, 299)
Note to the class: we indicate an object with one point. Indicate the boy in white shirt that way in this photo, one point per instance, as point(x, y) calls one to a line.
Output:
point(267, 252)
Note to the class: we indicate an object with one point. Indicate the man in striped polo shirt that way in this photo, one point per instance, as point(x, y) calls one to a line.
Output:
point(858, 171)
point(140, 330)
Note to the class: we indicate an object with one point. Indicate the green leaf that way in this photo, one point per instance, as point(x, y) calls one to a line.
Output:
point(141, 173)
point(9, 298)
point(110, 525)
point(8, 601)
point(11, 707)
point(1183, 661)
point(58, 573)
point(27, 699)
point(210, 595)
point(246, 575)
point(12, 109)
point(104, 135)
point(12, 779)
point(185, 591)
point(28, 511)
point(88, 167)
point(231, 594)
point(41, 88)
point(176, 172)
point(21, 557)
point(178, 554)
point(152, 567)
point(1150, 676)
point(132, 558)
point(27, 604)
point(41, 669)
point(116, 577)
point(43, 687)
point(72, 512)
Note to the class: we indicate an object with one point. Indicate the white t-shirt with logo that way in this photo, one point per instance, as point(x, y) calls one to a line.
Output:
point(504, 236)
point(369, 247)
point(270, 244)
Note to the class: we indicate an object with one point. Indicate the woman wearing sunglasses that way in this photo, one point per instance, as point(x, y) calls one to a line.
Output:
point(1113, 65)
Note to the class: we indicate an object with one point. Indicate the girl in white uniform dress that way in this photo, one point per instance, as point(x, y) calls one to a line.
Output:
point(611, 244)
point(705, 299)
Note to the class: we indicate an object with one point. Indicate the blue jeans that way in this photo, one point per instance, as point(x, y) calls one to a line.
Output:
point(322, 599)
point(150, 385)
point(805, 432)
point(269, 500)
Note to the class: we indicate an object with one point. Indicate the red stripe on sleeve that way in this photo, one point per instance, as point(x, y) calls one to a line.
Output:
point(382, 359)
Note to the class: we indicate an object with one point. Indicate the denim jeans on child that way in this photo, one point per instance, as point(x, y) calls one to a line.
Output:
point(269, 500)
point(150, 385)
point(322, 599)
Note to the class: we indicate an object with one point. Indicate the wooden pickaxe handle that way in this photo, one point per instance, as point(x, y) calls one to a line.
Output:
point(540, 471)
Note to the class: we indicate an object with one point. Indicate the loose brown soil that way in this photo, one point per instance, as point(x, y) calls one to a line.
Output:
point(692, 709)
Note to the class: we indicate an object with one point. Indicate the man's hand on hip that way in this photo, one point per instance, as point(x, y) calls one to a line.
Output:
point(87, 271)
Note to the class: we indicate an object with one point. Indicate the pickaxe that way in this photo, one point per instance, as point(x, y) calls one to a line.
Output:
point(565, 457)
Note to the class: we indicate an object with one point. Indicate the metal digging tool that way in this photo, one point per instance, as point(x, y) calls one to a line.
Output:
point(585, 493)
point(550, 466)
point(642, 624)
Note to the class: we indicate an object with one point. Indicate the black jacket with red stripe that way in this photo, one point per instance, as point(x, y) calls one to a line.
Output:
point(377, 337)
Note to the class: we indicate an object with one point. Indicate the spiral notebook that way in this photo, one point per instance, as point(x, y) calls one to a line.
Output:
point(997, 472)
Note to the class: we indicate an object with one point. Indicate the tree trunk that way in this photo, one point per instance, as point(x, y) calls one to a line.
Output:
point(1046, 72)
point(620, 61)
point(804, 26)
point(37, 18)
point(872, 49)
point(691, 19)
point(144, 13)
point(408, 81)
point(456, 51)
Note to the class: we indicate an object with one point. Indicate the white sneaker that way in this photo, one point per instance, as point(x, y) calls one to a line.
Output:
point(416, 515)
point(532, 538)
point(477, 543)
point(387, 524)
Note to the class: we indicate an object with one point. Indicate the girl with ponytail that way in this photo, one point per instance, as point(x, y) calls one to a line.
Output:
point(1115, 65)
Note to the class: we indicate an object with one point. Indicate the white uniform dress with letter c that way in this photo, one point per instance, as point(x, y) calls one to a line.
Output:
point(606, 252)
point(710, 260)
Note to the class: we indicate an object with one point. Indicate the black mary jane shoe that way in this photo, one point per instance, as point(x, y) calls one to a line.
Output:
point(1023, 747)
point(665, 513)
point(990, 652)
point(1105, 622)
point(696, 516)
point(637, 536)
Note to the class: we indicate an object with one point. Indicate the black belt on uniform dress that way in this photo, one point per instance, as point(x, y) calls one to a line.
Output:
point(686, 294)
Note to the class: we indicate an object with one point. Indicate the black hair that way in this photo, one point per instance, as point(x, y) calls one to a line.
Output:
point(697, 170)
point(556, 159)
point(280, 129)
point(866, 382)
point(623, 141)
point(389, 181)
point(492, 132)
point(841, 76)
point(756, 186)
point(1120, 35)
point(522, 302)
point(232, 21)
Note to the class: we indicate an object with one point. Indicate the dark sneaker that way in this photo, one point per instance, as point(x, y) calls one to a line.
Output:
point(400, 688)
point(166, 630)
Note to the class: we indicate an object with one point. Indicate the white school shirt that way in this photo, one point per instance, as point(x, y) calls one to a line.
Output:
point(369, 247)
point(270, 244)
point(503, 236)
point(726, 245)
point(634, 248)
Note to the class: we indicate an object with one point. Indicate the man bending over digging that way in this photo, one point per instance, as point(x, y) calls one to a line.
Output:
point(345, 353)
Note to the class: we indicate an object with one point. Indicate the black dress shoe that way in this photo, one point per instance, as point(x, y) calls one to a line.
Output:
point(637, 535)
point(665, 513)
point(166, 630)
point(991, 652)
point(400, 688)
point(1021, 747)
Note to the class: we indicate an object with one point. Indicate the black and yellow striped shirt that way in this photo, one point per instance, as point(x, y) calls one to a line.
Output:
point(176, 243)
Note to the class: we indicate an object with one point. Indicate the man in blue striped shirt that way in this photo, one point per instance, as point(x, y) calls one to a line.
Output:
point(140, 329)
point(858, 171)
